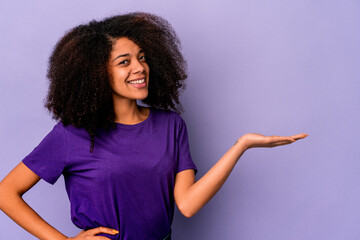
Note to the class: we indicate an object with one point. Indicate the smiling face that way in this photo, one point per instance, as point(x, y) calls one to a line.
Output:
point(128, 70)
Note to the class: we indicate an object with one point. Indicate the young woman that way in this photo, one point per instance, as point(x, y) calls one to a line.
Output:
point(124, 165)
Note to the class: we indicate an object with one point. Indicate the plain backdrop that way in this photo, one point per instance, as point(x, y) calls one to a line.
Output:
point(271, 67)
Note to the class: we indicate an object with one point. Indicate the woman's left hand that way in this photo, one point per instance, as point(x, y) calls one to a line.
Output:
point(253, 140)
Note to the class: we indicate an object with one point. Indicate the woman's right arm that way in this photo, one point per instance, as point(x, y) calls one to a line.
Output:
point(12, 187)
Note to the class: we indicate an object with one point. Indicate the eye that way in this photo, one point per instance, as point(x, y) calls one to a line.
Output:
point(143, 58)
point(123, 62)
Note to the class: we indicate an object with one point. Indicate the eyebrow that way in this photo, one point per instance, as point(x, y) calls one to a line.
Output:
point(126, 55)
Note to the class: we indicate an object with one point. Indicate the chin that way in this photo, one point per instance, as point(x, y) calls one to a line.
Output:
point(142, 96)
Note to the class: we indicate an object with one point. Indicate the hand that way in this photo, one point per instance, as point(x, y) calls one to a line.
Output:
point(90, 234)
point(252, 140)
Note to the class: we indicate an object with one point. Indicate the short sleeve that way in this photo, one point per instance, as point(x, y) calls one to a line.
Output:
point(47, 160)
point(184, 157)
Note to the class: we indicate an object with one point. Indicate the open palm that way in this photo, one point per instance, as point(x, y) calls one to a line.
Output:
point(252, 140)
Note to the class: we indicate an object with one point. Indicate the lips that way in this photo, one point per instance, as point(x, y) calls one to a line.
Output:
point(136, 79)
point(138, 83)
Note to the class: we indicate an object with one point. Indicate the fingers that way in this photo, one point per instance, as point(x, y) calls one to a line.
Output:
point(299, 136)
point(276, 138)
point(285, 142)
point(102, 230)
point(280, 139)
point(252, 140)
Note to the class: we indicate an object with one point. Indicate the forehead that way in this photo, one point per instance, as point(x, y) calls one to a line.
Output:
point(125, 45)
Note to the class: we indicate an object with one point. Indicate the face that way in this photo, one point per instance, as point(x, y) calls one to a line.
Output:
point(128, 70)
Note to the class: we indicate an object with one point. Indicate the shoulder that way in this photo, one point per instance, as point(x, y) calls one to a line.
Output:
point(171, 118)
point(57, 130)
point(56, 134)
point(168, 114)
point(69, 131)
point(168, 118)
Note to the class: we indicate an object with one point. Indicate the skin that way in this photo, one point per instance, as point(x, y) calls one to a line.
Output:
point(128, 62)
point(190, 195)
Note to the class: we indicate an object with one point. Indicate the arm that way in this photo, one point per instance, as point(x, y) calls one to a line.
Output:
point(12, 187)
point(191, 196)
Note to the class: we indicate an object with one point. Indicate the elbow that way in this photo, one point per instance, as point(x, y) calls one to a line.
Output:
point(2, 197)
point(187, 211)
point(187, 214)
point(6, 196)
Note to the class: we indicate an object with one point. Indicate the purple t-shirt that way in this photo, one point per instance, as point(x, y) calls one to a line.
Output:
point(127, 183)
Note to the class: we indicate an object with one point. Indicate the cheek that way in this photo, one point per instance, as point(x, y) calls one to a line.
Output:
point(147, 69)
point(119, 76)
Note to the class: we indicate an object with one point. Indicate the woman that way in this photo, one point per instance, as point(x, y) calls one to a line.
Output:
point(124, 165)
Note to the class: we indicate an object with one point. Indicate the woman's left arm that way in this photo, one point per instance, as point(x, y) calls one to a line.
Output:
point(191, 196)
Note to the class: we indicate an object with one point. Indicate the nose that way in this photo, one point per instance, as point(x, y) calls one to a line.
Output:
point(138, 67)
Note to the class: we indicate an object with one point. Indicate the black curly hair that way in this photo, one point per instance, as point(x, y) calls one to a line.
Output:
point(80, 93)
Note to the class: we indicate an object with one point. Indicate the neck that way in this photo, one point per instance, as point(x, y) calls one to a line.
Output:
point(128, 112)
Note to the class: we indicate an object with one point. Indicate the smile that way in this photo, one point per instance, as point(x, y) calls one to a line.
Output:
point(139, 81)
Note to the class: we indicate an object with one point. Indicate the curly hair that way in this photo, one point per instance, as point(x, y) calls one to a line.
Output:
point(80, 93)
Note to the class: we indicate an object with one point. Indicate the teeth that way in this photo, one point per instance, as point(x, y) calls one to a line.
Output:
point(137, 81)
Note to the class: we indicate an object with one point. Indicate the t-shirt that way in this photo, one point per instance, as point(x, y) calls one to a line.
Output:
point(127, 183)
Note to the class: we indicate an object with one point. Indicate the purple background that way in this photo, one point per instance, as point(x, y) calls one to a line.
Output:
point(271, 67)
